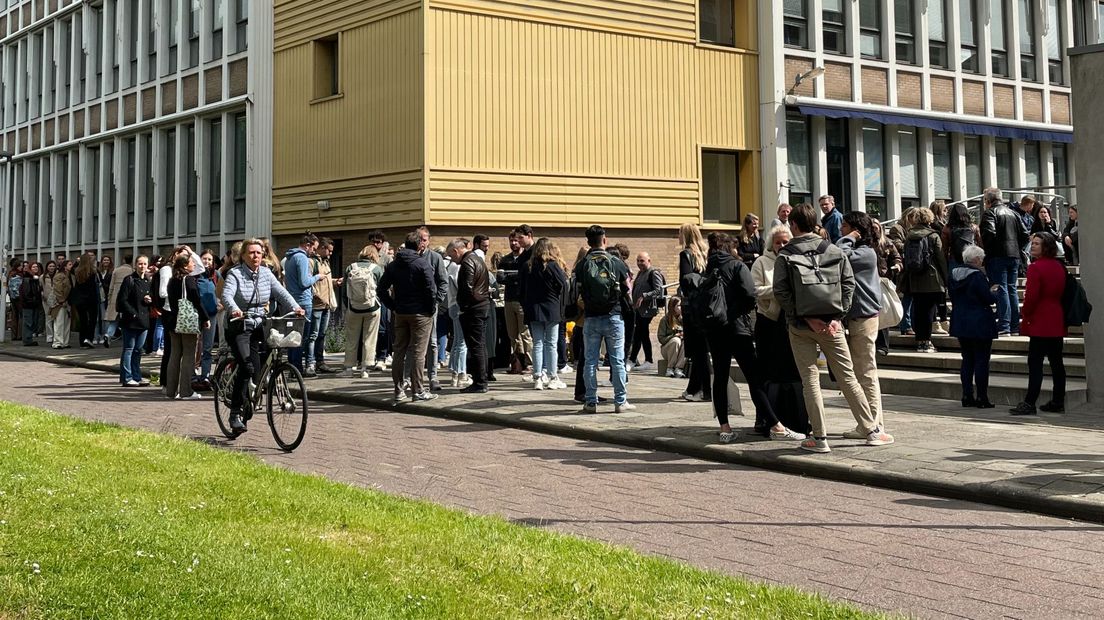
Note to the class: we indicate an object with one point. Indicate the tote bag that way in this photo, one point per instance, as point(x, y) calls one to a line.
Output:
point(187, 319)
point(892, 308)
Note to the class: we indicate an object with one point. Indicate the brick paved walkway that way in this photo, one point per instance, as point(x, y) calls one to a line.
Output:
point(914, 554)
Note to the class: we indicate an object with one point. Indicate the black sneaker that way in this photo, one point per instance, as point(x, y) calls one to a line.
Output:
point(1053, 407)
point(435, 386)
point(474, 389)
point(237, 425)
point(1023, 409)
point(984, 404)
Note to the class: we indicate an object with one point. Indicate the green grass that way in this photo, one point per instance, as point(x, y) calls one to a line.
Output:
point(100, 521)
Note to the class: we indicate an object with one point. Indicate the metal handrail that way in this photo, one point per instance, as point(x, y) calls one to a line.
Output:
point(1057, 202)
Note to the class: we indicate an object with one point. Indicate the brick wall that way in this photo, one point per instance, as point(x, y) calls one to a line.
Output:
point(1004, 102)
point(794, 68)
point(875, 88)
point(837, 81)
point(973, 97)
point(1032, 105)
point(909, 92)
point(1060, 108)
point(942, 94)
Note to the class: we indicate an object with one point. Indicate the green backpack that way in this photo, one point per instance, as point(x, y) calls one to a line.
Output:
point(598, 286)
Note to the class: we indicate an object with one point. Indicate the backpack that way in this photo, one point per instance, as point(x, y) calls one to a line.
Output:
point(918, 255)
point(598, 284)
point(707, 300)
point(361, 287)
point(569, 299)
point(14, 284)
point(649, 310)
point(817, 281)
point(1075, 302)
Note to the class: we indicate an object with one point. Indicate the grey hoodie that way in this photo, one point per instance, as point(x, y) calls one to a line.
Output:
point(867, 300)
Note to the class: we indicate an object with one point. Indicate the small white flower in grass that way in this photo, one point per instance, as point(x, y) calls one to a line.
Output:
point(35, 568)
point(141, 553)
point(287, 549)
point(728, 599)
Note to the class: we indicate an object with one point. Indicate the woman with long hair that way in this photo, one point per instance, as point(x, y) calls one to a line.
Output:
point(959, 233)
point(1043, 321)
point(182, 292)
point(85, 299)
point(362, 319)
point(671, 339)
point(207, 281)
point(48, 299)
point(104, 331)
point(545, 282)
point(898, 235)
point(750, 243)
point(134, 303)
point(692, 259)
point(155, 338)
point(926, 282)
point(60, 311)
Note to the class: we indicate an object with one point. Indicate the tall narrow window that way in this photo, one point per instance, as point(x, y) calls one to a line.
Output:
point(716, 22)
point(112, 189)
point(968, 38)
point(49, 73)
point(999, 37)
point(874, 170)
point(132, 39)
point(192, 191)
point(174, 36)
point(798, 155)
point(1100, 22)
point(1054, 42)
point(218, 21)
point(1004, 162)
point(720, 186)
point(34, 170)
point(1061, 165)
point(240, 178)
point(131, 198)
point(242, 35)
point(151, 184)
point(80, 47)
point(941, 159)
point(65, 236)
point(82, 200)
point(169, 190)
point(908, 172)
point(152, 15)
point(94, 202)
point(34, 100)
point(193, 34)
point(1027, 41)
point(214, 179)
point(97, 47)
point(1033, 165)
point(114, 44)
point(972, 148)
point(870, 28)
point(327, 67)
point(65, 63)
point(937, 34)
point(834, 27)
point(795, 23)
point(905, 26)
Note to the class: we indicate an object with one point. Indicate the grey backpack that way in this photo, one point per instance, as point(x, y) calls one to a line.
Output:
point(817, 279)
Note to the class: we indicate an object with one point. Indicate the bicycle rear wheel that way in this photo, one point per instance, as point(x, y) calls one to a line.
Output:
point(222, 383)
point(287, 406)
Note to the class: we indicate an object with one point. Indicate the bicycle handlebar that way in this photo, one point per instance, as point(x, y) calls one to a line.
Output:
point(289, 315)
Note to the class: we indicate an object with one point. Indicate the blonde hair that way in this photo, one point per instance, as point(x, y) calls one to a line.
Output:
point(748, 219)
point(86, 268)
point(908, 217)
point(369, 253)
point(690, 238)
point(781, 229)
point(270, 259)
point(922, 217)
point(672, 303)
point(544, 252)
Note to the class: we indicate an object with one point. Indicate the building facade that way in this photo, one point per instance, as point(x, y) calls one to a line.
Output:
point(919, 99)
point(134, 125)
point(478, 115)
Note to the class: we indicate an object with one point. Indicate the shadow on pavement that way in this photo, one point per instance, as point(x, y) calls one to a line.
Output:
point(543, 522)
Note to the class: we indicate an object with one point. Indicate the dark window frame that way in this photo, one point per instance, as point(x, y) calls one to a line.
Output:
point(795, 27)
point(732, 217)
point(835, 22)
point(870, 30)
point(905, 39)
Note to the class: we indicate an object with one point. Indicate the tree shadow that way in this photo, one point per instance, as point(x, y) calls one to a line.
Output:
point(551, 521)
point(609, 458)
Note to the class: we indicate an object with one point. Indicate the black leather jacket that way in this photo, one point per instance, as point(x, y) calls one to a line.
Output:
point(473, 285)
point(1003, 232)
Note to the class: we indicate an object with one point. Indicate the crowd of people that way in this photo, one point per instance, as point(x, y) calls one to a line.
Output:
point(809, 290)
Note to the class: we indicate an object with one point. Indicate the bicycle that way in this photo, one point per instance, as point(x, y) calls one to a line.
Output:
point(279, 383)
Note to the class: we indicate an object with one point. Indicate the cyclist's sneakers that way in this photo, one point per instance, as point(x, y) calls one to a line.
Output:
point(425, 396)
point(236, 423)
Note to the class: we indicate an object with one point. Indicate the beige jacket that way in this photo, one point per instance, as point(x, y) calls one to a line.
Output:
point(121, 272)
point(323, 289)
point(762, 275)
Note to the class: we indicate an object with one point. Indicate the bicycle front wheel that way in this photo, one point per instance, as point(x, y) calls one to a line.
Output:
point(287, 406)
point(222, 383)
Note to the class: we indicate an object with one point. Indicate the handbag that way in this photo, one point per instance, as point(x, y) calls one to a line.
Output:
point(893, 311)
point(187, 318)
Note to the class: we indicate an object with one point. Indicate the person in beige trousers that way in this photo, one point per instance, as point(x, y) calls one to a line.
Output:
point(362, 321)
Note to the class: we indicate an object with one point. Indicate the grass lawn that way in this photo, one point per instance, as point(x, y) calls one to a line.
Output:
point(99, 521)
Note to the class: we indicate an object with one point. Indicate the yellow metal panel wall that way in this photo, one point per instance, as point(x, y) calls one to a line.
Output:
point(365, 202)
point(299, 21)
point(668, 19)
point(374, 129)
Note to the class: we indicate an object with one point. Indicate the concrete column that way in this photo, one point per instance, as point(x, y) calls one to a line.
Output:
point(858, 167)
point(258, 219)
point(818, 166)
point(772, 111)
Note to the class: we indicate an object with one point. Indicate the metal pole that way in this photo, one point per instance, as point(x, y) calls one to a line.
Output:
point(5, 215)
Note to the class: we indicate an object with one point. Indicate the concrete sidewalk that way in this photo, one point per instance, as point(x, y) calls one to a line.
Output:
point(1052, 464)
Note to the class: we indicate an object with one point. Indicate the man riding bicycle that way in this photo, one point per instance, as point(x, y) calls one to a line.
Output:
point(249, 288)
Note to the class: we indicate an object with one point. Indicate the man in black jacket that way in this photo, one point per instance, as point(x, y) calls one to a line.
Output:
point(1004, 235)
point(407, 288)
point(473, 296)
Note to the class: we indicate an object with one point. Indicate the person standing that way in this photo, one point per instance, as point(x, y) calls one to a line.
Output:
point(974, 323)
point(323, 305)
point(783, 218)
point(440, 295)
point(750, 243)
point(103, 279)
point(833, 219)
point(1069, 239)
point(114, 283)
point(647, 287)
point(184, 323)
point(544, 285)
point(408, 289)
point(48, 299)
point(1044, 321)
point(85, 299)
point(15, 306)
point(473, 298)
point(133, 303)
point(898, 235)
point(692, 260)
point(59, 310)
point(603, 281)
point(458, 355)
point(30, 294)
point(521, 342)
point(362, 320)
point(814, 308)
point(300, 283)
point(1003, 234)
point(208, 283)
point(924, 277)
point(959, 233)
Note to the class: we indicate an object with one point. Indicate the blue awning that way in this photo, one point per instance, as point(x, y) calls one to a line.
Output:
point(974, 129)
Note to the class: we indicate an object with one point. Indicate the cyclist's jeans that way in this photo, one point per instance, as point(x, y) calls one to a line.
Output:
point(245, 346)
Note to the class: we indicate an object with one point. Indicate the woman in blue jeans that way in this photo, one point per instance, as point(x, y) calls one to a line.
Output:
point(545, 282)
point(207, 281)
point(133, 305)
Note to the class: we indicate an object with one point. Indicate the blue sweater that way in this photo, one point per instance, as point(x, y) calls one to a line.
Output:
point(297, 274)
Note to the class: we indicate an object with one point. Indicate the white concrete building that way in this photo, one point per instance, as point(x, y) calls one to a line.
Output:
point(919, 99)
point(134, 125)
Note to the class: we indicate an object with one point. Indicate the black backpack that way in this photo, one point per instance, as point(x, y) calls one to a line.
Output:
point(598, 283)
point(918, 255)
point(706, 298)
point(1075, 302)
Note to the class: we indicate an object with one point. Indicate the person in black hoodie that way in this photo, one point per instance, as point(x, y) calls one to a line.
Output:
point(735, 338)
point(178, 375)
point(408, 289)
point(30, 296)
point(85, 299)
point(133, 304)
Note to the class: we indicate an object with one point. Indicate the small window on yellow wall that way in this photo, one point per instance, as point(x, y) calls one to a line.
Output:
point(717, 22)
point(327, 66)
point(720, 186)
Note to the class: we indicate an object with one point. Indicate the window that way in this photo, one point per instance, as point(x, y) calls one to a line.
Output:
point(327, 67)
point(65, 236)
point(1033, 165)
point(1061, 167)
point(112, 193)
point(85, 57)
point(242, 35)
point(49, 73)
point(31, 201)
point(174, 35)
point(218, 20)
point(870, 28)
point(113, 43)
point(1027, 41)
point(941, 163)
point(905, 26)
point(720, 186)
point(192, 191)
point(1100, 22)
point(972, 147)
point(999, 38)
point(795, 23)
point(833, 28)
point(82, 200)
point(193, 34)
point(937, 34)
point(147, 159)
point(96, 50)
point(214, 179)
point(240, 179)
point(1054, 42)
point(908, 171)
point(94, 189)
point(65, 49)
point(797, 153)
point(967, 22)
point(152, 16)
point(132, 77)
point(1004, 162)
point(716, 22)
point(170, 184)
point(874, 169)
point(131, 199)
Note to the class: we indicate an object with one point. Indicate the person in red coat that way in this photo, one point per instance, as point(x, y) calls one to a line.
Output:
point(1044, 321)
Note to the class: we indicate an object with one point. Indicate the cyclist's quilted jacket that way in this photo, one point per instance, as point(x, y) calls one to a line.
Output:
point(251, 291)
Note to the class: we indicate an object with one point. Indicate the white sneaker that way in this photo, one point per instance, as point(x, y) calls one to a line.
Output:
point(625, 406)
point(679, 374)
point(159, 352)
point(567, 369)
point(629, 366)
point(671, 373)
point(456, 380)
point(694, 398)
point(364, 374)
point(49, 339)
point(646, 367)
point(132, 383)
point(538, 385)
point(557, 384)
point(194, 396)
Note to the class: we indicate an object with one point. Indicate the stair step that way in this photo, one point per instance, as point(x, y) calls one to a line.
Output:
point(1074, 347)
point(950, 361)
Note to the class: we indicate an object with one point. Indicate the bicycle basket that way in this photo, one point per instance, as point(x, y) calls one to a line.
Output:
point(284, 333)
